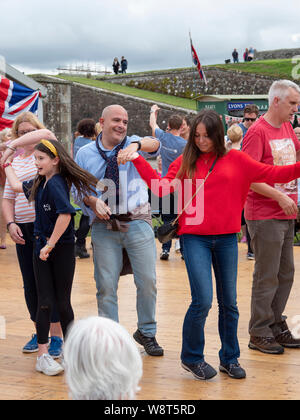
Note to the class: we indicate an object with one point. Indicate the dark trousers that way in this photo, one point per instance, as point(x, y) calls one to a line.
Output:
point(83, 230)
point(25, 258)
point(54, 283)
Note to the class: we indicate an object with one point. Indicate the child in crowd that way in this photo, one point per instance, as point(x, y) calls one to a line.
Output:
point(54, 257)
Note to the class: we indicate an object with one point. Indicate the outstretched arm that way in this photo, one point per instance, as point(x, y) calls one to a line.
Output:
point(33, 137)
point(148, 145)
point(153, 118)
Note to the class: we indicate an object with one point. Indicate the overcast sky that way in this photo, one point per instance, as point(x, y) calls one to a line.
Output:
point(40, 35)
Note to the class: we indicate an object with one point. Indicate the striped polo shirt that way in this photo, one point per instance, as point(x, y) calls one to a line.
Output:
point(25, 170)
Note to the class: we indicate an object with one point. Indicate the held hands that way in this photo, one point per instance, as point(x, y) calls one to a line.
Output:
point(128, 154)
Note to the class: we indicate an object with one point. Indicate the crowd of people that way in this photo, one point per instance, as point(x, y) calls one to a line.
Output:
point(248, 178)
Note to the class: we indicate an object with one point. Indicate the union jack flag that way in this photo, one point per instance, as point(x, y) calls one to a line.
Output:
point(15, 99)
point(196, 61)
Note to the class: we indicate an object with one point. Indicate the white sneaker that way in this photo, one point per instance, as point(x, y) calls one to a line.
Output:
point(47, 365)
point(177, 246)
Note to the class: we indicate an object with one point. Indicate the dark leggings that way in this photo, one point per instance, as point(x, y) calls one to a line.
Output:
point(25, 255)
point(54, 279)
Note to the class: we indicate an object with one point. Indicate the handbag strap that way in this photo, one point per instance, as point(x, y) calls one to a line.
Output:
point(196, 192)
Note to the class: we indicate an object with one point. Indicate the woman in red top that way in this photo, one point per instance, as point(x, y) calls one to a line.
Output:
point(208, 228)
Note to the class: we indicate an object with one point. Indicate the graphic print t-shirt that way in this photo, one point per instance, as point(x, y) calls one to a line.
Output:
point(274, 146)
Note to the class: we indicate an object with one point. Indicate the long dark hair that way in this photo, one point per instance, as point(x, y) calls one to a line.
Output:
point(215, 132)
point(84, 182)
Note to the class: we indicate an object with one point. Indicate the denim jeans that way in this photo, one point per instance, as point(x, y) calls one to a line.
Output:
point(140, 246)
point(200, 253)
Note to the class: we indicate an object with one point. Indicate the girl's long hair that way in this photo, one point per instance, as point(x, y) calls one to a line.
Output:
point(215, 132)
point(84, 182)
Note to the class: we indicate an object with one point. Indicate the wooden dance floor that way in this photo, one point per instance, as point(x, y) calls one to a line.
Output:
point(268, 376)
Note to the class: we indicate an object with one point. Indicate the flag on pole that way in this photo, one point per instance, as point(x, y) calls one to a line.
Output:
point(15, 99)
point(196, 61)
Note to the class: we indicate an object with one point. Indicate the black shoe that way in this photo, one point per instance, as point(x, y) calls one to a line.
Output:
point(201, 370)
point(234, 370)
point(81, 252)
point(149, 343)
point(164, 255)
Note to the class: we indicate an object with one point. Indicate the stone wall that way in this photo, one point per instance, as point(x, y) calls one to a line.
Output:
point(67, 103)
point(187, 83)
point(57, 107)
point(275, 54)
point(88, 102)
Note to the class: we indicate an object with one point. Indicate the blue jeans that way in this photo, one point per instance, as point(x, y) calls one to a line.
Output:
point(140, 246)
point(200, 252)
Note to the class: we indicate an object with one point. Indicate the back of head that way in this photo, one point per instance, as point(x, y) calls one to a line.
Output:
point(235, 133)
point(86, 127)
point(175, 122)
point(102, 361)
point(280, 89)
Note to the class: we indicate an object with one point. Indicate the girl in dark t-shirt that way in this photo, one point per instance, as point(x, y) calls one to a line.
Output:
point(54, 257)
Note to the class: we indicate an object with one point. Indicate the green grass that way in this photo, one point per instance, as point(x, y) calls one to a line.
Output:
point(281, 69)
point(144, 94)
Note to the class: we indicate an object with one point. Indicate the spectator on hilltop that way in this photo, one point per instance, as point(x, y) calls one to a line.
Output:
point(124, 64)
point(235, 56)
point(116, 65)
point(245, 55)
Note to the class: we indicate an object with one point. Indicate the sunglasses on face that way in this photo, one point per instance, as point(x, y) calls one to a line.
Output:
point(250, 119)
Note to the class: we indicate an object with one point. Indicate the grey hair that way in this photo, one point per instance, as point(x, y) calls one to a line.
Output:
point(102, 361)
point(280, 89)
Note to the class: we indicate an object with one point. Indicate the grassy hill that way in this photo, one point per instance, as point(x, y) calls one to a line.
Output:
point(144, 94)
point(281, 69)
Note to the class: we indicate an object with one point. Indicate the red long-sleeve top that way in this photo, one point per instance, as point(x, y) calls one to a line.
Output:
point(218, 206)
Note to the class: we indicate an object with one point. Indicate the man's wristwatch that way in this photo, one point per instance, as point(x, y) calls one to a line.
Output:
point(10, 223)
point(139, 144)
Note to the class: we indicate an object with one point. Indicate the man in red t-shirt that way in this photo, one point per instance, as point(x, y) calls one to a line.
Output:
point(270, 212)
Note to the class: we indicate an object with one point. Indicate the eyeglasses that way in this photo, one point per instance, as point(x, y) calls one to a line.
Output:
point(22, 133)
point(250, 119)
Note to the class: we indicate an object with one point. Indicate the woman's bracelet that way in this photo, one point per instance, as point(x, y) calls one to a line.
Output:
point(49, 246)
point(11, 148)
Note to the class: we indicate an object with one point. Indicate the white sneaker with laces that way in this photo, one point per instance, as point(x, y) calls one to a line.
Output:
point(47, 365)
